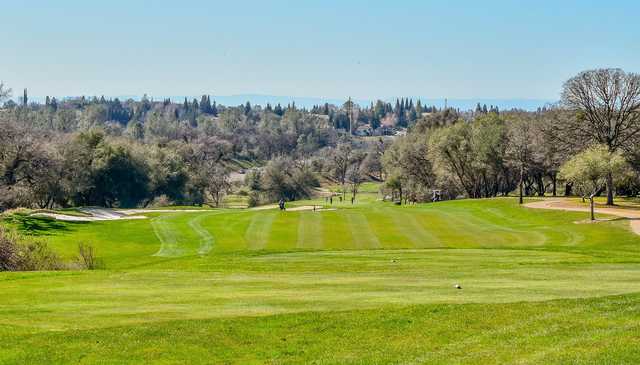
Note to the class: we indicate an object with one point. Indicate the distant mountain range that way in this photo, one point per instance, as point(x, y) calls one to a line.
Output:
point(301, 101)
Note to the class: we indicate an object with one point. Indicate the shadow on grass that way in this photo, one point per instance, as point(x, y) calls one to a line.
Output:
point(39, 226)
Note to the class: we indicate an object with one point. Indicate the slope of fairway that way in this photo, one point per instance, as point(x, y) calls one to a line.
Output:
point(254, 286)
point(592, 331)
point(497, 223)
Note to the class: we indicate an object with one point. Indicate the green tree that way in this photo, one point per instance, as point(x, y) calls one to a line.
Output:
point(591, 169)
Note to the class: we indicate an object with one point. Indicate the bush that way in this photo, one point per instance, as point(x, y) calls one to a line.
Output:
point(8, 250)
point(19, 255)
point(161, 201)
point(253, 200)
point(37, 256)
point(87, 259)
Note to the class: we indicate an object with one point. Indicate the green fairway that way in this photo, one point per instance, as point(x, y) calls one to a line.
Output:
point(364, 283)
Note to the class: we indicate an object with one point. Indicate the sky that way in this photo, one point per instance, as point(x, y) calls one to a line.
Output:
point(332, 49)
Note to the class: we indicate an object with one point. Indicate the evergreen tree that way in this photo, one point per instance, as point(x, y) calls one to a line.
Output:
point(25, 98)
point(214, 109)
point(379, 110)
point(375, 121)
point(205, 105)
point(413, 116)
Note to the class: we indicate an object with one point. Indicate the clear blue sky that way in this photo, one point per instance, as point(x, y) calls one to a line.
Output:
point(365, 49)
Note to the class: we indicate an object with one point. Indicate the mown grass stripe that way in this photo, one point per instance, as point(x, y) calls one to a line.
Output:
point(166, 234)
point(361, 233)
point(310, 230)
point(207, 240)
point(408, 224)
point(257, 234)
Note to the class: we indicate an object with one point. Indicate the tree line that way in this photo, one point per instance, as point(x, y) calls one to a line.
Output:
point(107, 152)
point(498, 153)
point(97, 151)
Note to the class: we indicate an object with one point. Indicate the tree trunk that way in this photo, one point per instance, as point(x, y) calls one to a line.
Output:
point(593, 216)
point(541, 187)
point(568, 187)
point(554, 180)
point(610, 189)
point(520, 199)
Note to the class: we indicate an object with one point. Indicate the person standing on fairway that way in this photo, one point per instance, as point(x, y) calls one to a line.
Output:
point(281, 204)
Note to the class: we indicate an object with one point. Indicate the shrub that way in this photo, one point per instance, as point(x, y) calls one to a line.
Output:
point(87, 258)
point(16, 254)
point(161, 201)
point(253, 200)
point(37, 256)
point(8, 250)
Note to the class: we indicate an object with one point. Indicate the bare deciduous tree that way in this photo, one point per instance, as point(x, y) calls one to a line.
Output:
point(217, 179)
point(355, 174)
point(341, 160)
point(5, 92)
point(606, 103)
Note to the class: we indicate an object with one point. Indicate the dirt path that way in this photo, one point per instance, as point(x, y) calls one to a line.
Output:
point(632, 215)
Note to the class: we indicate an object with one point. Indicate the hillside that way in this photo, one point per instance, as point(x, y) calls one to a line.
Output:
point(253, 286)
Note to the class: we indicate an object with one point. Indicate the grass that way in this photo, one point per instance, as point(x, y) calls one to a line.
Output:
point(235, 201)
point(366, 283)
point(180, 207)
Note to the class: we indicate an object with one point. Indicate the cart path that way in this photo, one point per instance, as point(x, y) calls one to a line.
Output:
point(632, 215)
